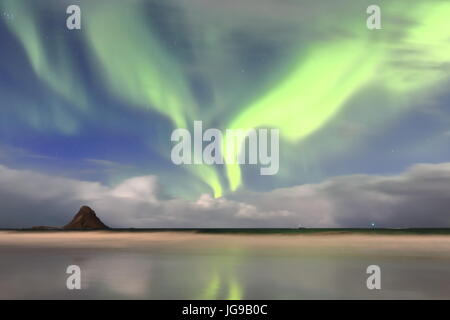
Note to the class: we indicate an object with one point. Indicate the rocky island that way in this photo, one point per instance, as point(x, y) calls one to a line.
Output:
point(85, 219)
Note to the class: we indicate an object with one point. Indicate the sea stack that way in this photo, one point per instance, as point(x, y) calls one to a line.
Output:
point(85, 219)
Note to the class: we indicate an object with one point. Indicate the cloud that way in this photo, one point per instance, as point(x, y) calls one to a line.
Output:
point(419, 197)
point(11, 153)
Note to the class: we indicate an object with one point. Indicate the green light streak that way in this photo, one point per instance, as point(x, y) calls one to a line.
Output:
point(321, 83)
point(311, 95)
point(212, 290)
point(235, 290)
point(134, 63)
point(425, 51)
point(54, 67)
point(208, 175)
point(143, 72)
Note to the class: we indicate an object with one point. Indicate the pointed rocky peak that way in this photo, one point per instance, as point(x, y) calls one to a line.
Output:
point(85, 219)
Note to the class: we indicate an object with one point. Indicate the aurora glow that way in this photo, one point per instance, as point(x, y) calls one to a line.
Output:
point(138, 69)
point(331, 73)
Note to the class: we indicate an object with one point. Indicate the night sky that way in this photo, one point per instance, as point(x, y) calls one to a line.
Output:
point(364, 115)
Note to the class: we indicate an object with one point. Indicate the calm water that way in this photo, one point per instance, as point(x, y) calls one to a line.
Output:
point(190, 266)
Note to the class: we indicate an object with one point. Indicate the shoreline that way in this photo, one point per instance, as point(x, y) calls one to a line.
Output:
point(251, 231)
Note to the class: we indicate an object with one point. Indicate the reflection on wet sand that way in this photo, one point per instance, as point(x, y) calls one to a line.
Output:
point(187, 265)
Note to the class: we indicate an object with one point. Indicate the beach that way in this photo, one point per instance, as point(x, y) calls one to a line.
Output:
point(195, 265)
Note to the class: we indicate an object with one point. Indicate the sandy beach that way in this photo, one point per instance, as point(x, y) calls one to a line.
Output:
point(344, 243)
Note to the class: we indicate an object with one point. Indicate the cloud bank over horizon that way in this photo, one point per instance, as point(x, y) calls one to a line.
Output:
point(418, 197)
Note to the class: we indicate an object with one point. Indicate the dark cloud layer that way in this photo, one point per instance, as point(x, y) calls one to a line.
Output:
point(419, 197)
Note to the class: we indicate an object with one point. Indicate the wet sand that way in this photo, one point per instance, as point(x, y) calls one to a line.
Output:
point(189, 265)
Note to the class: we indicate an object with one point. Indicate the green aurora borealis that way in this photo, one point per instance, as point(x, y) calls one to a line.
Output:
point(327, 64)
